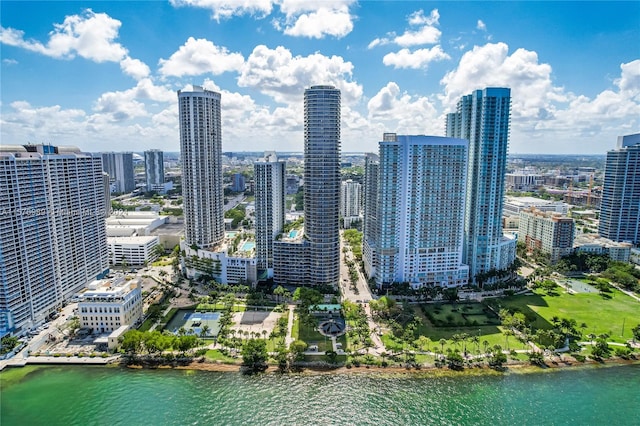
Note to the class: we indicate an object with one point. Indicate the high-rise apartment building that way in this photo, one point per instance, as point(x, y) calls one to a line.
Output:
point(238, 183)
point(370, 210)
point(322, 182)
point(483, 119)
point(154, 170)
point(269, 176)
point(119, 166)
point(201, 157)
point(52, 230)
point(350, 202)
point(550, 232)
point(420, 211)
point(620, 207)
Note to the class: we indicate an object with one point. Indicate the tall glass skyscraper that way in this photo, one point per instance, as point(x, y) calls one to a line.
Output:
point(483, 118)
point(322, 182)
point(154, 170)
point(119, 166)
point(201, 157)
point(620, 208)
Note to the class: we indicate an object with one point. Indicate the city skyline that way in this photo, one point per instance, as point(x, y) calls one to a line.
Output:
point(401, 66)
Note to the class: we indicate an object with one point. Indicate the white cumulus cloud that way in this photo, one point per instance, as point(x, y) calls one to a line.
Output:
point(223, 9)
point(134, 68)
point(89, 35)
point(315, 19)
point(420, 58)
point(481, 25)
point(200, 56)
point(279, 74)
point(391, 110)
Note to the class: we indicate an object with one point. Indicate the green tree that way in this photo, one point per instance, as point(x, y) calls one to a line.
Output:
point(131, 342)
point(297, 349)
point(331, 357)
point(279, 291)
point(254, 355)
point(636, 332)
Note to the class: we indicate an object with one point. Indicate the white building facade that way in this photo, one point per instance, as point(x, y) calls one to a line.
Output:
point(421, 199)
point(269, 176)
point(350, 201)
point(110, 304)
point(134, 251)
point(52, 231)
point(201, 158)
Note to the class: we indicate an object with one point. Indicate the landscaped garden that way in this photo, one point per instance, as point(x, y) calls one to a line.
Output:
point(601, 315)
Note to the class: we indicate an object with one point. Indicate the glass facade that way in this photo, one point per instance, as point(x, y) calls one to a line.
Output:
point(322, 182)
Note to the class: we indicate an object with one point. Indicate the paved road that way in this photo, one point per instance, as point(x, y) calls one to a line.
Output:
point(289, 338)
point(362, 296)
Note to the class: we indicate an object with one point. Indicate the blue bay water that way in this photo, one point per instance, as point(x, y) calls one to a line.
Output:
point(116, 396)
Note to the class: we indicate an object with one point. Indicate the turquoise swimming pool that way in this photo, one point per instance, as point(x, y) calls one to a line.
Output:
point(248, 246)
point(293, 233)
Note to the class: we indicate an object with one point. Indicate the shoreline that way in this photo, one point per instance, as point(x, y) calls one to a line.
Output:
point(428, 371)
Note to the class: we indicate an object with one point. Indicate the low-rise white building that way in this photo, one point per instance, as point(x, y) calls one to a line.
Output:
point(136, 250)
point(595, 244)
point(231, 262)
point(514, 205)
point(110, 304)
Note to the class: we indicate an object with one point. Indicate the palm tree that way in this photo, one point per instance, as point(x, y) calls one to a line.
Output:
point(442, 343)
point(464, 337)
point(456, 339)
point(485, 344)
point(204, 331)
point(264, 334)
point(583, 326)
point(476, 340)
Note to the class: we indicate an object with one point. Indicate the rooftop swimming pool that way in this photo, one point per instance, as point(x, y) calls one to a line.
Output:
point(293, 233)
point(248, 246)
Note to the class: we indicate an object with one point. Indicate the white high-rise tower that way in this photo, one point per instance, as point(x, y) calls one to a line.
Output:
point(52, 230)
point(420, 205)
point(269, 175)
point(201, 157)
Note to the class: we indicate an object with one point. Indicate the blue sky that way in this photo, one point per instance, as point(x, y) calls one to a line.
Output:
point(104, 75)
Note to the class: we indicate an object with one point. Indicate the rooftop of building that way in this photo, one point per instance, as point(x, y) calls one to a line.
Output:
point(109, 289)
point(595, 239)
point(142, 239)
point(546, 214)
point(528, 200)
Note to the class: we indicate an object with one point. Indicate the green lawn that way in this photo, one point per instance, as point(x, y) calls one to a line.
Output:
point(601, 315)
point(311, 336)
point(461, 314)
point(492, 339)
point(165, 261)
point(216, 355)
point(211, 307)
